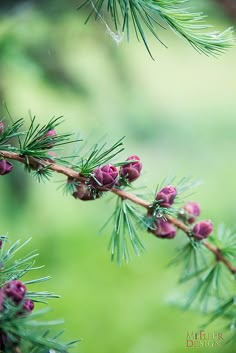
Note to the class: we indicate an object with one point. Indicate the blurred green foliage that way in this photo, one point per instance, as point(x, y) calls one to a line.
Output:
point(178, 115)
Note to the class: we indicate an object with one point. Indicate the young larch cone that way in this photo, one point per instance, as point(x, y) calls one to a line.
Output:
point(131, 171)
point(104, 178)
point(166, 196)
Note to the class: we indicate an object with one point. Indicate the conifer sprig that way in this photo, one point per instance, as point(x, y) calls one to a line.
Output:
point(127, 223)
point(153, 15)
point(97, 157)
point(226, 311)
point(12, 131)
point(20, 329)
point(208, 260)
point(38, 139)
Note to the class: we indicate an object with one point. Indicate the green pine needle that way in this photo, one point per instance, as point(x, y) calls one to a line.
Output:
point(227, 312)
point(69, 187)
point(11, 131)
point(225, 239)
point(126, 231)
point(151, 15)
point(37, 144)
point(35, 335)
point(193, 258)
point(43, 173)
point(210, 280)
point(98, 156)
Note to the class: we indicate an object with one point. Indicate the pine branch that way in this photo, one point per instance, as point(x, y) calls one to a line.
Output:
point(20, 329)
point(151, 15)
point(207, 264)
point(124, 195)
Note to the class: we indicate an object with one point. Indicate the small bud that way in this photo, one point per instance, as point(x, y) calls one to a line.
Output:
point(1, 127)
point(131, 171)
point(193, 210)
point(5, 167)
point(202, 229)
point(28, 305)
point(86, 193)
point(50, 135)
point(164, 229)
point(15, 290)
point(104, 178)
point(166, 196)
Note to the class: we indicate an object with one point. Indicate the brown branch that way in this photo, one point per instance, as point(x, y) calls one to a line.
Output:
point(69, 172)
point(216, 251)
point(179, 224)
point(127, 195)
point(219, 256)
point(53, 166)
point(229, 7)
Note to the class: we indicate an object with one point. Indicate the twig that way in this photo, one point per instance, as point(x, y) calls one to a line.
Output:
point(69, 172)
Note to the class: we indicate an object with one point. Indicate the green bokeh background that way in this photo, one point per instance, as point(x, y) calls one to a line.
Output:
point(178, 115)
